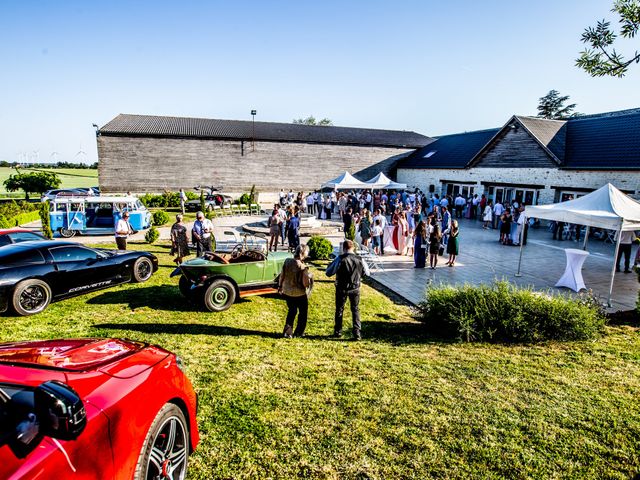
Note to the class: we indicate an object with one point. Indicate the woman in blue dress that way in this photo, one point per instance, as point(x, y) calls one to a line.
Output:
point(419, 245)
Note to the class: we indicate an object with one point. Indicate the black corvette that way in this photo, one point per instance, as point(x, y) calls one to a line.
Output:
point(34, 274)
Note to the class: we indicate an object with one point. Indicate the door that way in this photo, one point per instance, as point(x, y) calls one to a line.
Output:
point(78, 269)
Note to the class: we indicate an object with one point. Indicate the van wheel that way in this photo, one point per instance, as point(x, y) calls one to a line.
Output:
point(31, 297)
point(66, 233)
point(219, 296)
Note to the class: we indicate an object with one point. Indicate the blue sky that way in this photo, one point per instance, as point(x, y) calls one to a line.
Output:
point(430, 66)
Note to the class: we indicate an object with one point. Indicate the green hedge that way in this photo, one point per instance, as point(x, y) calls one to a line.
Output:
point(319, 248)
point(503, 312)
point(19, 219)
point(167, 199)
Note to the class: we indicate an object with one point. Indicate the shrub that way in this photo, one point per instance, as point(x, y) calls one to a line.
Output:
point(319, 248)
point(152, 235)
point(350, 234)
point(167, 199)
point(44, 218)
point(245, 199)
point(160, 217)
point(503, 312)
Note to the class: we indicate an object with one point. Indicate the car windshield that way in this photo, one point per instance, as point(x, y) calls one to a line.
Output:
point(18, 237)
point(74, 254)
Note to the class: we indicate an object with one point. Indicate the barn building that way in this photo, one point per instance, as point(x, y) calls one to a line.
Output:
point(532, 160)
point(141, 153)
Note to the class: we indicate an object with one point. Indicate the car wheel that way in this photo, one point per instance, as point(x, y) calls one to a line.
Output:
point(142, 269)
point(219, 296)
point(66, 233)
point(31, 297)
point(165, 450)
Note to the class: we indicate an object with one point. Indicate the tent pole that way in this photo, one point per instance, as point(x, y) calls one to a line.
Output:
point(586, 237)
point(615, 264)
point(518, 274)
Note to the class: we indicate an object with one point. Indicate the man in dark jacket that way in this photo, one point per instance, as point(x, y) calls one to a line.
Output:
point(349, 269)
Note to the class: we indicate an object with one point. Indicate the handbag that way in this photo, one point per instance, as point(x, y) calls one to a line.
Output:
point(441, 250)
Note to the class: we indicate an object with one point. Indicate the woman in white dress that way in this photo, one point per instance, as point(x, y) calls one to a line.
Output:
point(487, 216)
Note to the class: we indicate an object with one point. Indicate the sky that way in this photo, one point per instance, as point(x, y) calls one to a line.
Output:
point(434, 67)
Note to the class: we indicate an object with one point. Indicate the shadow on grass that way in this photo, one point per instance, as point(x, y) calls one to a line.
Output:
point(160, 297)
point(401, 333)
point(187, 329)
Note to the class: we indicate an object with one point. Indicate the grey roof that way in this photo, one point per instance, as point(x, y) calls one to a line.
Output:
point(608, 141)
point(206, 128)
point(449, 151)
point(551, 134)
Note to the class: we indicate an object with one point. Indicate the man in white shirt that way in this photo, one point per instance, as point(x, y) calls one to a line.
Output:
point(626, 239)
point(310, 201)
point(383, 224)
point(183, 200)
point(498, 210)
point(202, 230)
point(123, 230)
point(459, 203)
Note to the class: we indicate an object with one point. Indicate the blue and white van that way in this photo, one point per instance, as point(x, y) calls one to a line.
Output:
point(72, 215)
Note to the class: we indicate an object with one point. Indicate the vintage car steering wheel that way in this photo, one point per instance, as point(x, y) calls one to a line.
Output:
point(237, 250)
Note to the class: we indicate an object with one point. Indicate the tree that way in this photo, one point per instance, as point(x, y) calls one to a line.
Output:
point(311, 120)
point(552, 106)
point(601, 58)
point(34, 182)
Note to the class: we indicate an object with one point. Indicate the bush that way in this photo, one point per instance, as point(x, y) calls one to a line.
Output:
point(350, 234)
point(502, 312)
point(167, 199)
point(160, 217)
point(46, 221)
point(245, 199)
point(152, 235)
point(319, 248)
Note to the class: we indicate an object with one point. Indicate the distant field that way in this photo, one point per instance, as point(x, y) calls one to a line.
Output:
point(71, 177)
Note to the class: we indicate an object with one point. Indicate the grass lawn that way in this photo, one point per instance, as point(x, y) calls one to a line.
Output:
point(71, 177)
point(396, 405)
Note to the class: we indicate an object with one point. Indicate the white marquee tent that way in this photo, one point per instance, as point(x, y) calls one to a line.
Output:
point(382, 181)
point(606, 207)
point(346, 181)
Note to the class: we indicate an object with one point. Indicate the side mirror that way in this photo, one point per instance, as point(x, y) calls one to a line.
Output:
point(59, 410)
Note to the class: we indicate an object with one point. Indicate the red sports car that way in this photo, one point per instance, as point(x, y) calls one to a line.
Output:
point(94, 408)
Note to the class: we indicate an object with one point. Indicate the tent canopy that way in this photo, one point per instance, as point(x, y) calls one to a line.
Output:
point(606, 207)
point(345, 181)
point(382, 181)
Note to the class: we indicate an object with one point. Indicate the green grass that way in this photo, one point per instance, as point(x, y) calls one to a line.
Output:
point(71, 177)
point(399, 404)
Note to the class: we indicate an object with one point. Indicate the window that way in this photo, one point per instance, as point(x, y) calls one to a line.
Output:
point(18, 237)
point(430, 154)
point(22, 258)
point(73, 254)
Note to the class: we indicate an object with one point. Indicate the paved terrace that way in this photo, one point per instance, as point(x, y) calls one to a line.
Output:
point(483, 259)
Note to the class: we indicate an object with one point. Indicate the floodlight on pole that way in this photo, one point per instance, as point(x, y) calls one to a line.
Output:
point(253, 130)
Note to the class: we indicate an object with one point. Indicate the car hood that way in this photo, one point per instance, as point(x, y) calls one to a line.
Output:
point(73, 355)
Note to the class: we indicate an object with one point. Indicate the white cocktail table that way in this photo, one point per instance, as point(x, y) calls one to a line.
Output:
point(572, 277)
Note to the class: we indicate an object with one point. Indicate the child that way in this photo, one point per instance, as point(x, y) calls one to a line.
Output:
point(376, 233)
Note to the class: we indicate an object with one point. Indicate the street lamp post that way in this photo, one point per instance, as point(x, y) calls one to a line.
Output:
point(253, 130)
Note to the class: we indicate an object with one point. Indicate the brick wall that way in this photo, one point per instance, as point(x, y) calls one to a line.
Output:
point(139, 164)
point(545, 177)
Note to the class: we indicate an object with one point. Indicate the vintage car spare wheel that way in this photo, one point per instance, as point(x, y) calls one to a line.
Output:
point(219, 296)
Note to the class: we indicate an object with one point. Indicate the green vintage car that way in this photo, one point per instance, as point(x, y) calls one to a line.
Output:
point(217, 279)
